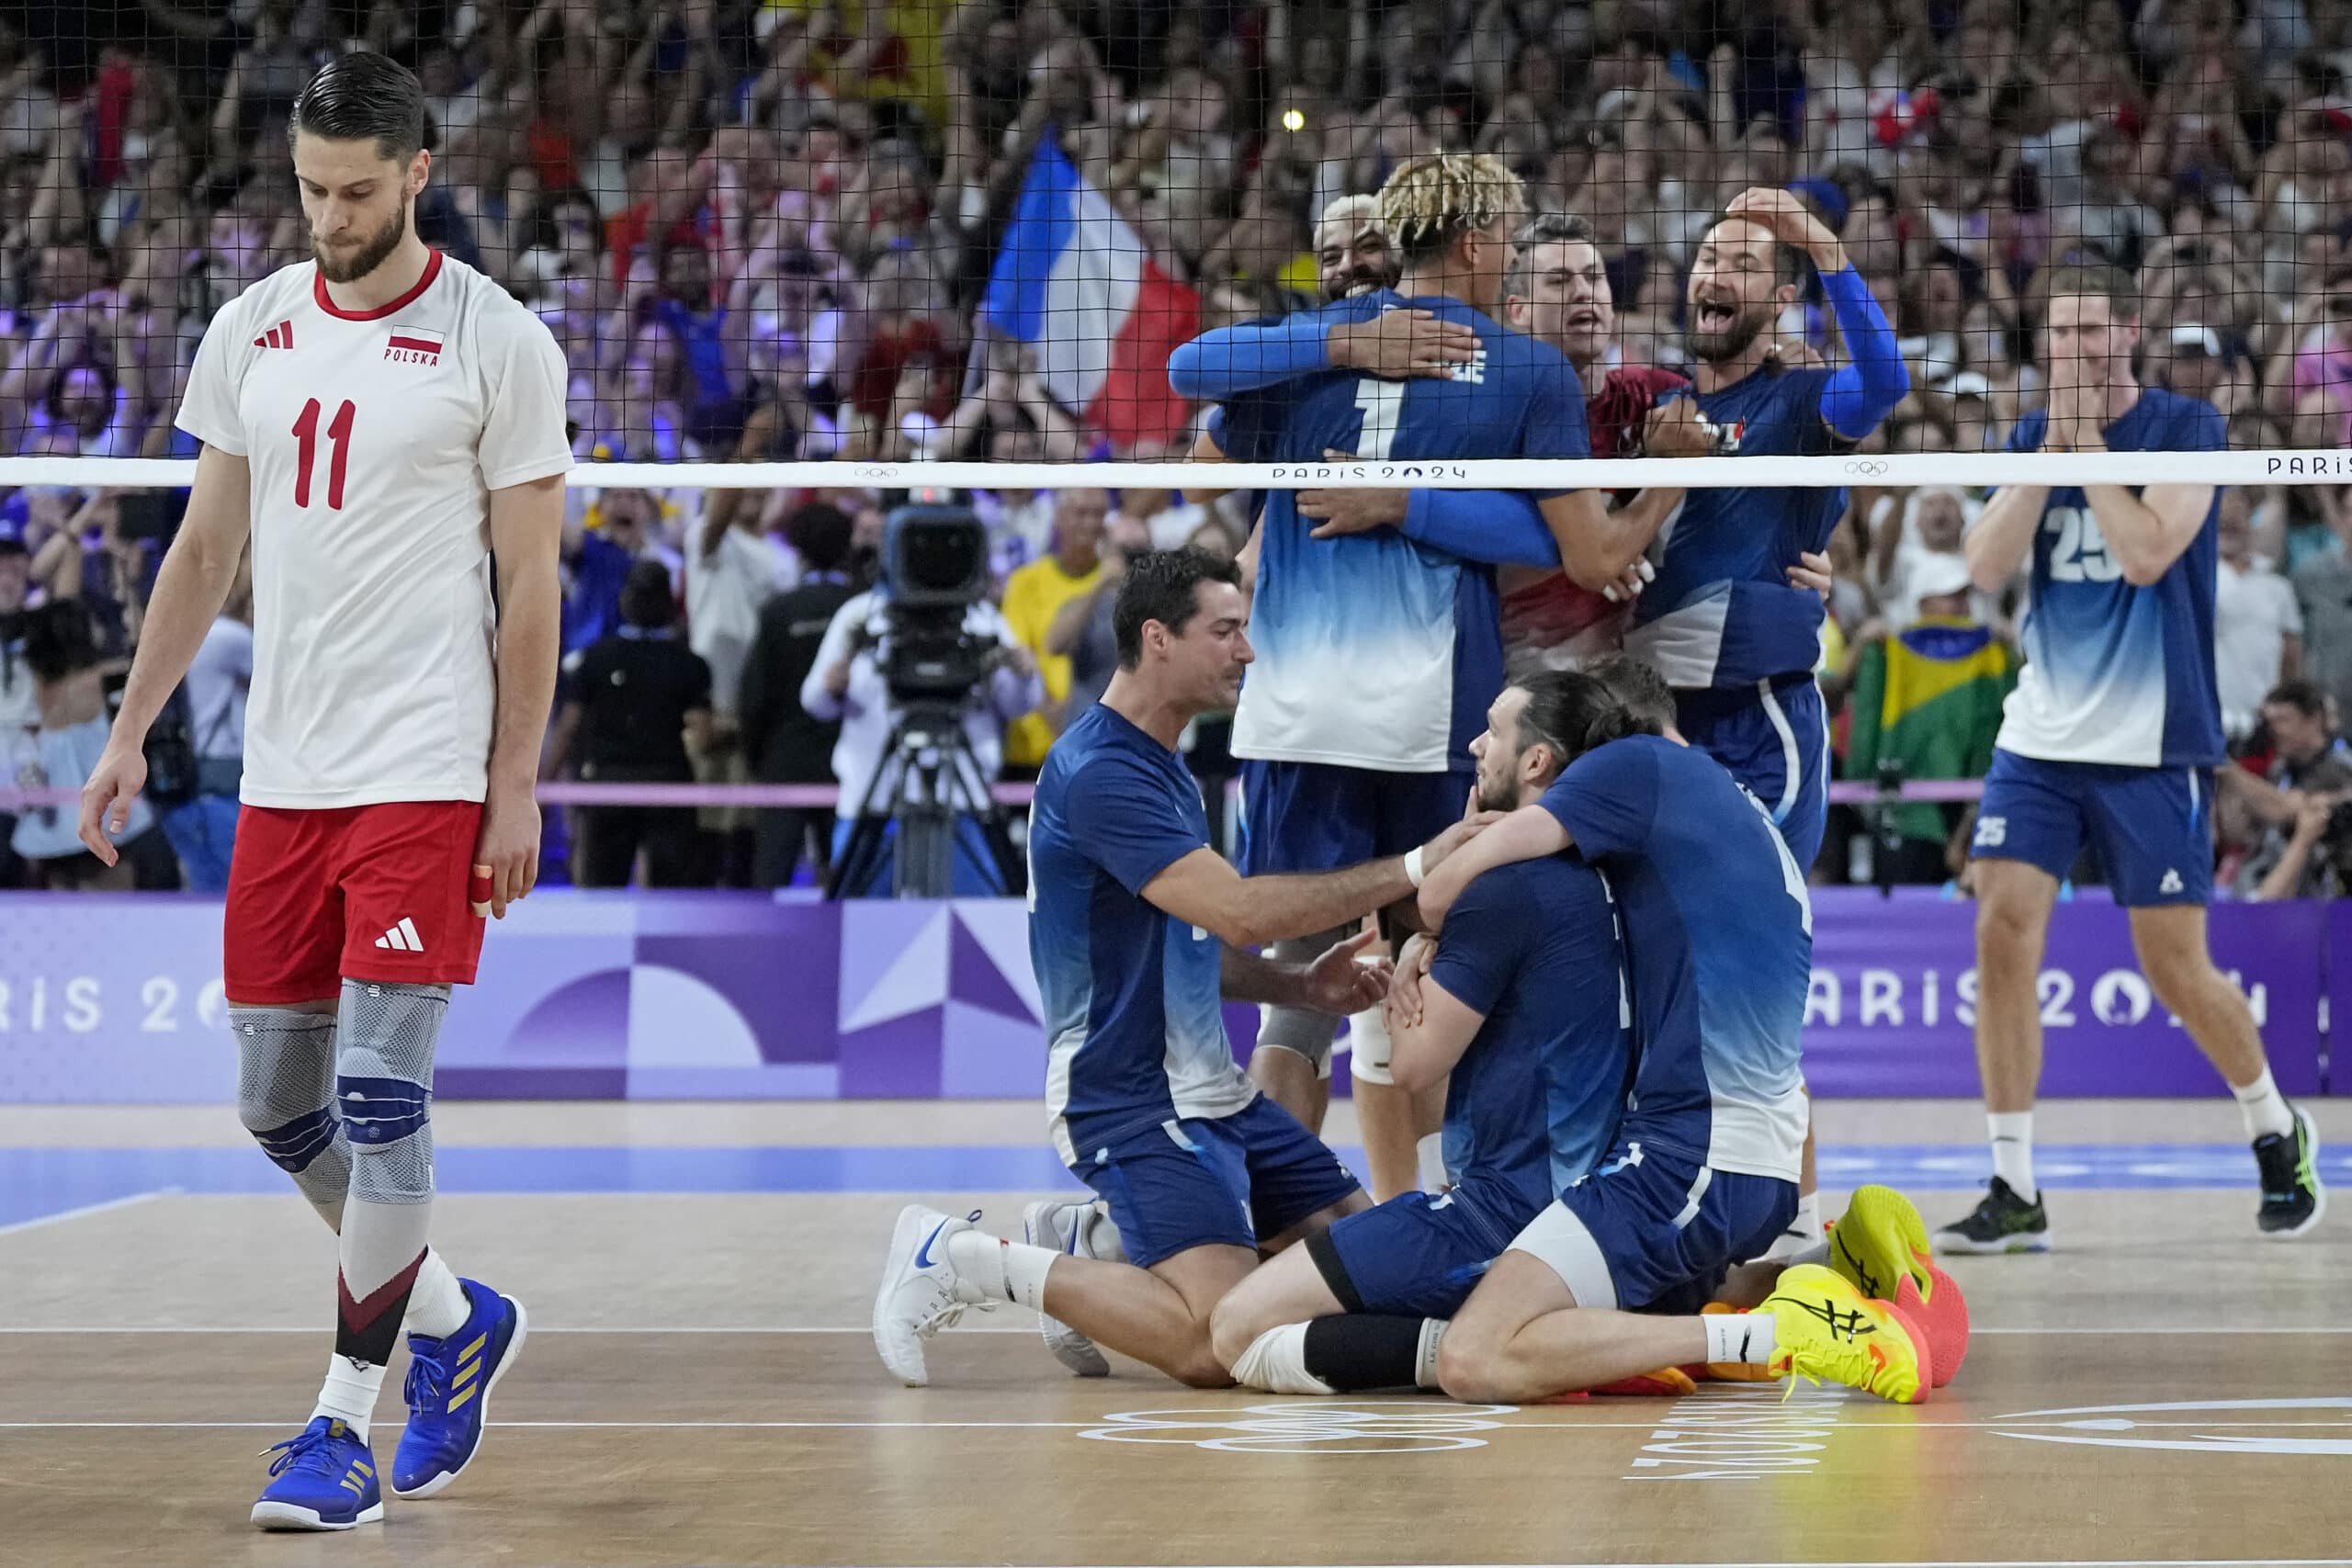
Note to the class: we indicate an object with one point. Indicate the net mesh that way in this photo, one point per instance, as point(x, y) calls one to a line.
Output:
point(845, 252)
point(931, 230)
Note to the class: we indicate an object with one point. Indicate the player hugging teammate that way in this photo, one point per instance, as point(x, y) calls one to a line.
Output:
point(1578, 1241)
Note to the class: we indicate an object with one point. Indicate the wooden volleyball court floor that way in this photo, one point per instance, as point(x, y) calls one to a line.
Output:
point(699, 1386)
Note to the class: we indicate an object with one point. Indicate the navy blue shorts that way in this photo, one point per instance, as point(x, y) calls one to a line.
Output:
point(1774, 739)
point(1418, 1256)
point(1224, 1181)
point(1314, 816)
point(1647, 1232)
point(2151, 826)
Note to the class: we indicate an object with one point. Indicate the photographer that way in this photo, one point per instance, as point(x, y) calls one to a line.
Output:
point(846, 684)
point(2307, 850)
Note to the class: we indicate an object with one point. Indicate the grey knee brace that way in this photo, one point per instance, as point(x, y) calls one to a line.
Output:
point(384, 1087)
point(1303, 1029)
point(285, 1092)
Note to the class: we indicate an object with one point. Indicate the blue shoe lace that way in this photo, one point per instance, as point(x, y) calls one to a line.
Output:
point(306, 1453)
point(428, 1378)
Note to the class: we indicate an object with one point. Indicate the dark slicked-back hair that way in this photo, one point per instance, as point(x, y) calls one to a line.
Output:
point(363, 98)
point(1573, 712)
point(1163, 586)
point(1638, 685)
point(1543, 228)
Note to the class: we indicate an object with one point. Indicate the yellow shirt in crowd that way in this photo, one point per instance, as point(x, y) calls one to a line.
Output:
point(1033, 596)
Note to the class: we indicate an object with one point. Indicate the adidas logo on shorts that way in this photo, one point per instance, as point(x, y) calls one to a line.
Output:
point(402, 937)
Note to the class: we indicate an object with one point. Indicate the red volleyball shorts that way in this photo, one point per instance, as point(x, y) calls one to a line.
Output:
point(358, 892)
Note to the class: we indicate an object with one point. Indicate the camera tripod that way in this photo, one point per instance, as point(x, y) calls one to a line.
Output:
point(928, 778)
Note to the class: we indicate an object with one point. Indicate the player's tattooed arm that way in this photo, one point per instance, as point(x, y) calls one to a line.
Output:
point(1529, 833)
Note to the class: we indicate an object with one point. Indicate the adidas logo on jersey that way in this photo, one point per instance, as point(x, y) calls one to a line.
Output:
point(279, 336)
point(413, 345)
point(402, 937)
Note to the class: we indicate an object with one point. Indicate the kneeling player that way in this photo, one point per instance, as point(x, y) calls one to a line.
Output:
point(1525, 1006)
point(1704, 1173)
point(1137, 928)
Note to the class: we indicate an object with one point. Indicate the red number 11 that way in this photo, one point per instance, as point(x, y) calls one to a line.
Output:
point(306, 431)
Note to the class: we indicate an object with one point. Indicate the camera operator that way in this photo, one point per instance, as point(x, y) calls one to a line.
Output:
point(847, 683)
point(2307, 849)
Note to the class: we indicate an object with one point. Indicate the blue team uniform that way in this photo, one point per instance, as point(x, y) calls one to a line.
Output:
point(1378, 656)
point(1725, 626)
point(2115, 728)
point(1148, 1106)
point(1719, 942)
point(1532, 1104)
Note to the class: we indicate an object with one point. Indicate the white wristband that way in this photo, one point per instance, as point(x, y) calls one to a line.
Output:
point(1413, 865)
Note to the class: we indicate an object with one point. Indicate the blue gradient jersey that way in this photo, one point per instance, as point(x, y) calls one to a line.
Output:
point(2115, 674)
point(1718, 940)
point(1374, 651)
point(1722, 612)
point(1134, 1003)
point(1533, 947)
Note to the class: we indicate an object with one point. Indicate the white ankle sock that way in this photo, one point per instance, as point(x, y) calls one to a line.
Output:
point(1276, 1362)
point(2264, 1107)
point(437, 1307)
point(349, 1392)
point(1002, 1270)
point(1425, 1363)
point(1749, 1336)
point(2012, 1136)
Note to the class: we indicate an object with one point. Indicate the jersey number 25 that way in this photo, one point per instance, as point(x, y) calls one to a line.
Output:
point(2079, 553)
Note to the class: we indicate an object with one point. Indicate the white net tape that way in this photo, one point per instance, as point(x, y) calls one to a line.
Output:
point(1892, 470)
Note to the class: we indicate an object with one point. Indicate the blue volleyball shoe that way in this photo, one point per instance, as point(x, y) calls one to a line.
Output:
point(448, 1387)
point(323, 1480)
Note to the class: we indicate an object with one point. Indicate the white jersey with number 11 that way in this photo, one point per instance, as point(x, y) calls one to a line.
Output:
point(374, 439)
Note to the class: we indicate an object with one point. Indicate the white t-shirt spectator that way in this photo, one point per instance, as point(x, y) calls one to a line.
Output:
point(724, 593)
point(2254, 615)
point(217, 681)
point(374, 439)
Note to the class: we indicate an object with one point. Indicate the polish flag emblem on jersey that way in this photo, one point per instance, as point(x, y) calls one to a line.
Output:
point(413, 345)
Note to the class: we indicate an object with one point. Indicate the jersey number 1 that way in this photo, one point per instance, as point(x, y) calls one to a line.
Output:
point(306, 431)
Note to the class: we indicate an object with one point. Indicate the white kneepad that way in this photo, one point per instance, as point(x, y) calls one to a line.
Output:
point(1369, 1047)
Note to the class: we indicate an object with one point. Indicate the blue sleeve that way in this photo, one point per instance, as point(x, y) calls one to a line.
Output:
point(1232, 360)
point(1606, 799)
point(1500, 528)
point(1247, 428)
point(1485, 937)
point(2201, 429)
point(1555, 419)
point(1122, 818)
point(1862, 394)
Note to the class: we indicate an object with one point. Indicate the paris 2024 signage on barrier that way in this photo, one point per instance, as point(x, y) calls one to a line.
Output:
point(739, 995)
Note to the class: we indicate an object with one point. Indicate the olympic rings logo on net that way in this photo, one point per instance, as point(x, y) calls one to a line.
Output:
point(1866, 468)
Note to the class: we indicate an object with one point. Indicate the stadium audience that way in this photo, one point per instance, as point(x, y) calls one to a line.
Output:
point(767, 231)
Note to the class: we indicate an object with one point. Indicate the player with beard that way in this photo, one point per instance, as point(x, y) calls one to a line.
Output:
point(386, 427)
point(1558, 291)
point(1355, 256)
point(1532, 1045)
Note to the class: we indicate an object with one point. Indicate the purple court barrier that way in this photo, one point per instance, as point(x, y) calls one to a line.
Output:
point(728, 995)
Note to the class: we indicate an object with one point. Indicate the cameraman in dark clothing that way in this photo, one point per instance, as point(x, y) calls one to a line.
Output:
point(2307, 849)
point(638, 700)
point(783, 743)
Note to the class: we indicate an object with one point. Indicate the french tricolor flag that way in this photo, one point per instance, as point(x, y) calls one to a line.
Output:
point(1076, 282)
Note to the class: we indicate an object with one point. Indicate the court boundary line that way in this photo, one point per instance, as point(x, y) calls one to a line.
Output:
point(1437, 1408)
point(84, 1210)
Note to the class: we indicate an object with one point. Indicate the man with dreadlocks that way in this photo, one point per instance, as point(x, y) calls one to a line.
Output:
point(1378, 658)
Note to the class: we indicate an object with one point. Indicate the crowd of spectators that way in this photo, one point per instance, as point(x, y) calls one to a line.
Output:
point(764, 231)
